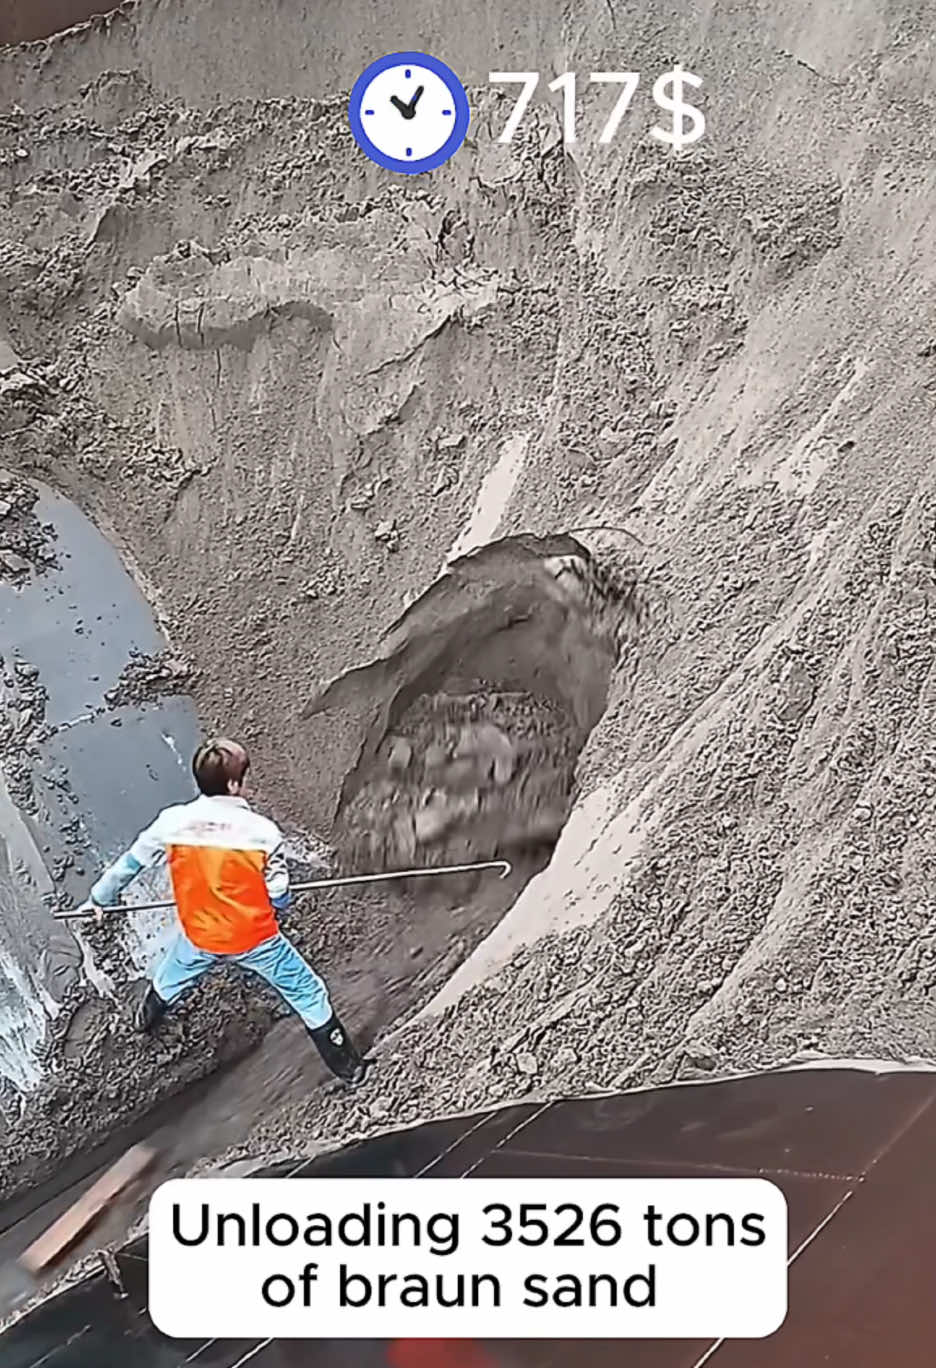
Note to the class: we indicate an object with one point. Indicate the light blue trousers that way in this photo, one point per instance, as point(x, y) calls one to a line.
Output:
point(276, 960)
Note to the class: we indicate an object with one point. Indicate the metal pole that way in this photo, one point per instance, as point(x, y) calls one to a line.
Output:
point(343, 881)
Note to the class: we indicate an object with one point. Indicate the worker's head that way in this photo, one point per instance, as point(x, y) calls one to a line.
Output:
point(220, 767)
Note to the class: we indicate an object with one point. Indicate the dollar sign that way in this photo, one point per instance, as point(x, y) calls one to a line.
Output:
point(681, 136)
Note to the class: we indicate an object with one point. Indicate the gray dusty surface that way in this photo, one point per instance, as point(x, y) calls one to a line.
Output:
point(79, 776)
point(287, 385)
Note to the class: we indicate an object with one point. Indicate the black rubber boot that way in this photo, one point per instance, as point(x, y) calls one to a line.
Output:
point(338, 1053)
point(150, 1012)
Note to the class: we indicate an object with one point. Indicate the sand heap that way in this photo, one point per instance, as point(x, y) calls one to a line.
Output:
point(292, 384)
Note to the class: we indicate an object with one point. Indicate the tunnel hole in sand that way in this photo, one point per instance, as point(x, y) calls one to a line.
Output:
point(462, 738)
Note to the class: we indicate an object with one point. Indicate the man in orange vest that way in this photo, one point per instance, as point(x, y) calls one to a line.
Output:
point(229, 878)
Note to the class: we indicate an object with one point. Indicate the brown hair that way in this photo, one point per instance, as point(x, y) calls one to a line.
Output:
point(219, 762)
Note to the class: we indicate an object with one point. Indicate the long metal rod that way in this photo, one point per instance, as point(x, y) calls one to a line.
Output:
point(343, 881)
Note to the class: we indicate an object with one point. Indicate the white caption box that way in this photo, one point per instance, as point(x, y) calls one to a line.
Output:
point(527, 1258)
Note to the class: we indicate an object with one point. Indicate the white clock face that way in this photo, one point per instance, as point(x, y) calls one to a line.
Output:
point(407, 112)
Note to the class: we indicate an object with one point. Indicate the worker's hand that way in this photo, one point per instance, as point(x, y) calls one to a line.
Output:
point(89, 908)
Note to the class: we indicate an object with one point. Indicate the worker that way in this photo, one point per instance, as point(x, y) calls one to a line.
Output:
point(229, 877)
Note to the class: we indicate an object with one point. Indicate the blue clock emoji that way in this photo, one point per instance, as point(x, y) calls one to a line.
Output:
point(409, 112)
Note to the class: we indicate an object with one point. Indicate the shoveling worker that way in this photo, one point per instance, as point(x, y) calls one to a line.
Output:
point(229, 877)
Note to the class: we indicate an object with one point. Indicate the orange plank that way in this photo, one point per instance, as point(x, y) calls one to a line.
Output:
point(53, 1243)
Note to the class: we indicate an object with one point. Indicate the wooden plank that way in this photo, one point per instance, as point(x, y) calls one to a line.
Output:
point(61, 1235)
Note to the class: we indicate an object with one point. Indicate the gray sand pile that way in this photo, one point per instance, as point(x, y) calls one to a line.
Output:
point(289, 384)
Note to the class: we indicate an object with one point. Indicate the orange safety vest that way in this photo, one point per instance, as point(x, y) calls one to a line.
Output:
point(226, 863)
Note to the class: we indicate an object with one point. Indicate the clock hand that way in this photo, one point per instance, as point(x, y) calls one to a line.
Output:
point(416, 98)
point(407, 110)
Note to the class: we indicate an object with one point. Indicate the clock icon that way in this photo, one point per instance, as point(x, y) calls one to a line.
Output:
point(409, 112)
